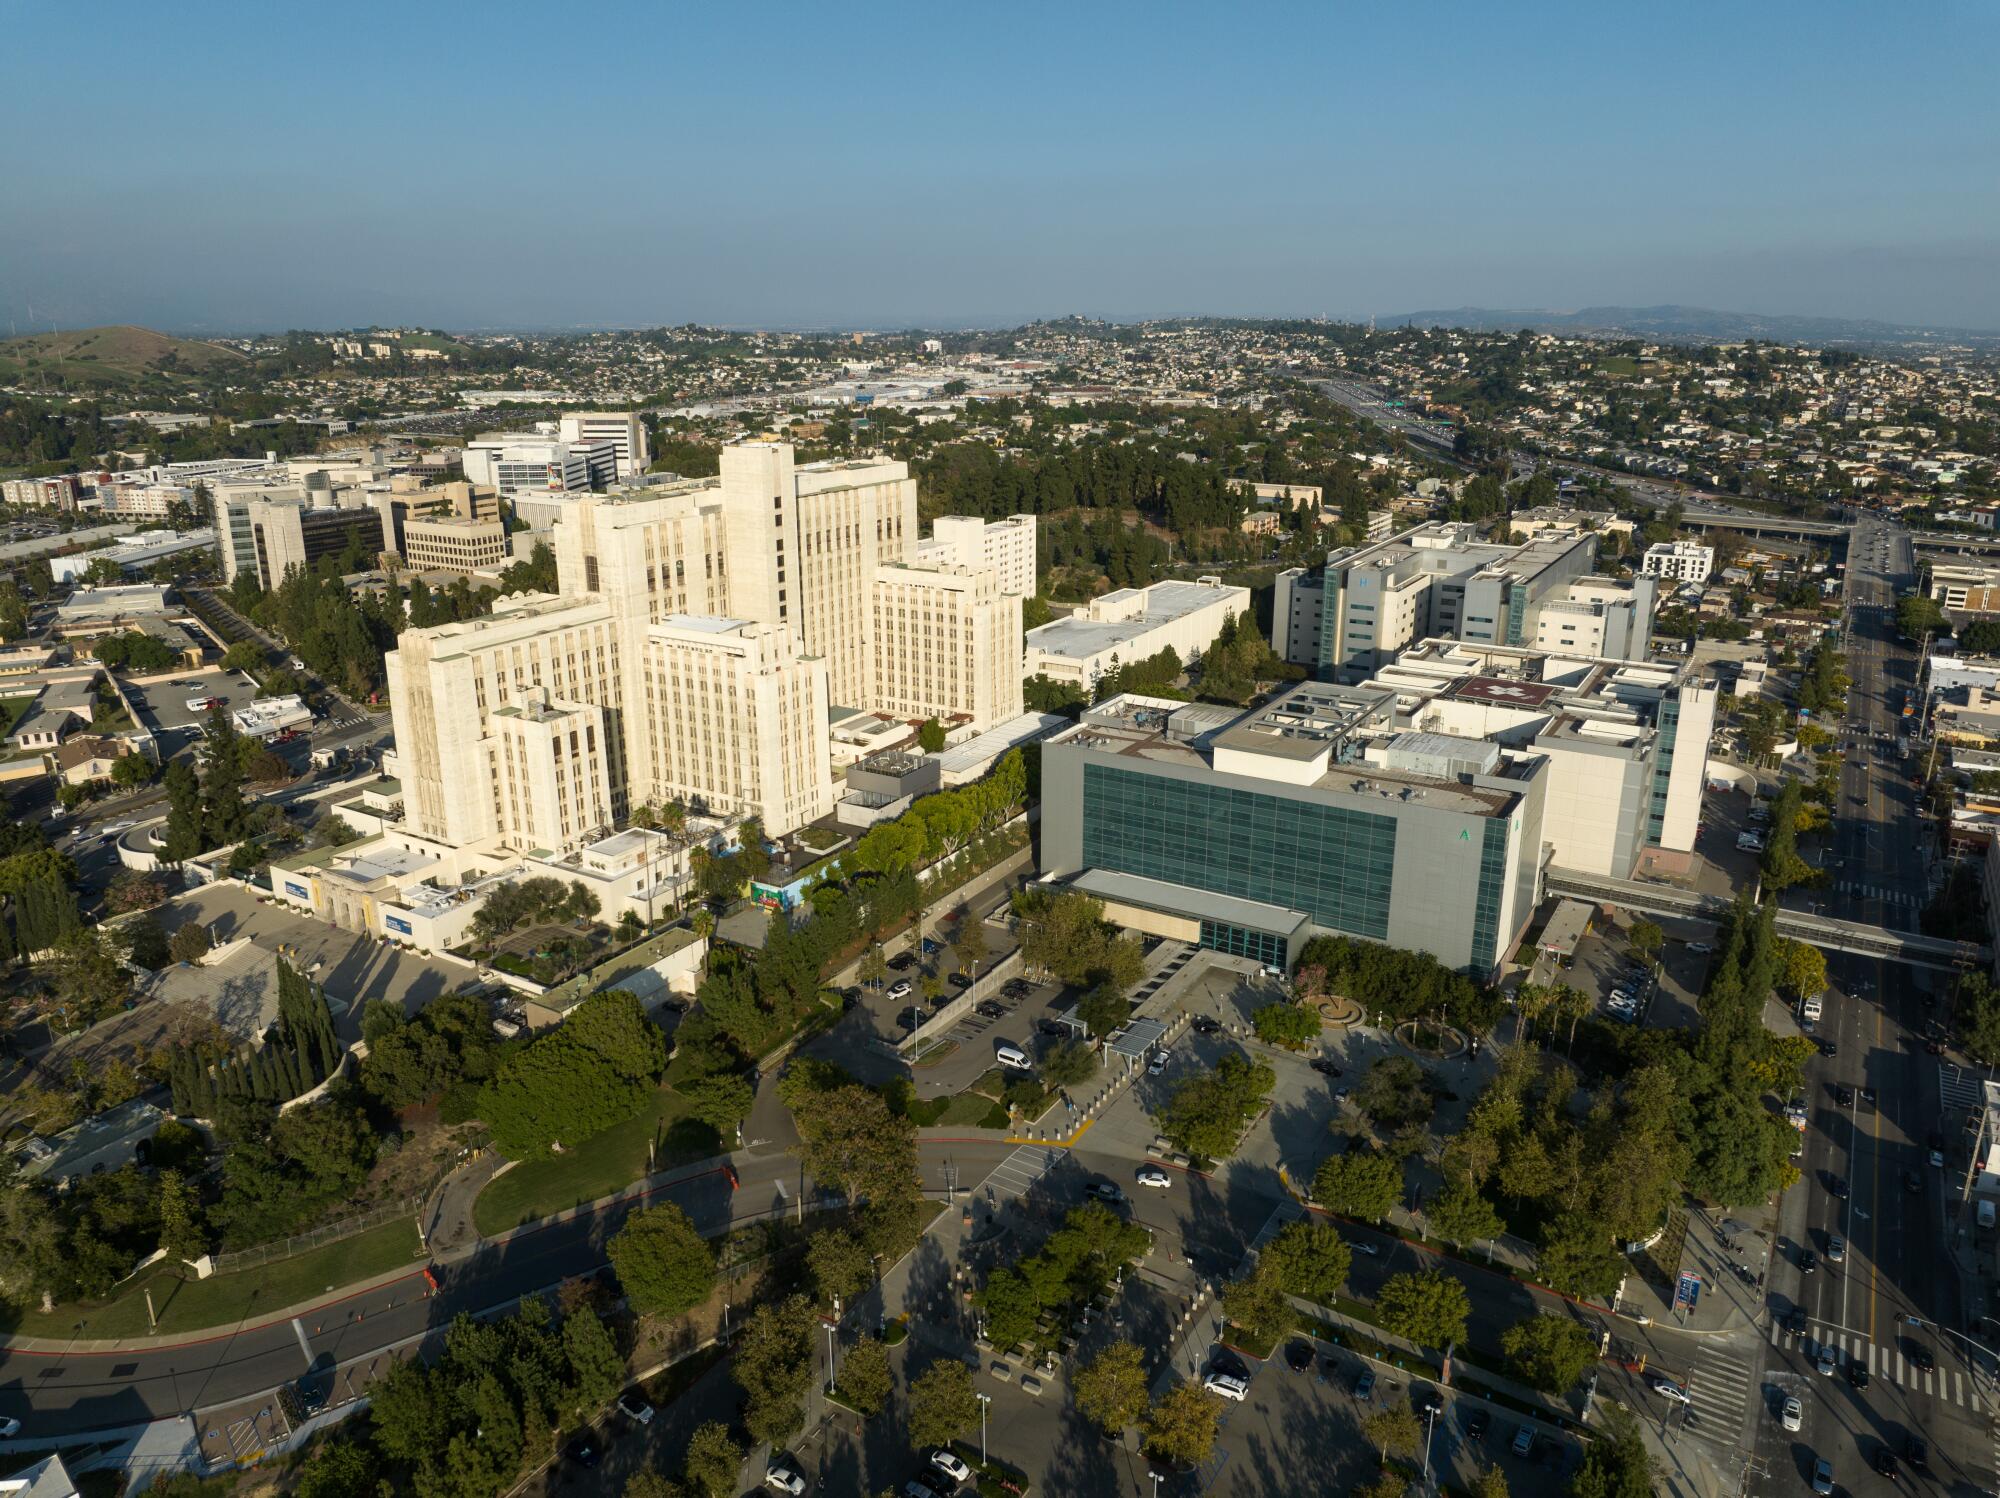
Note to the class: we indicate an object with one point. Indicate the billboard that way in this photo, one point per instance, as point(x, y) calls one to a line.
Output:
point(398, 925)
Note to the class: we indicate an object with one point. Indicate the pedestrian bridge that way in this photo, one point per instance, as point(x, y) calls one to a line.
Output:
point(1821, 931)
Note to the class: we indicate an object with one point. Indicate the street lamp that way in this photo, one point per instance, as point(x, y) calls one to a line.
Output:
point(984, 1400)
point(1430, 1430)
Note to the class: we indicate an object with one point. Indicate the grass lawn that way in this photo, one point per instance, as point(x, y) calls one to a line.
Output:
point(193, 1305)
point(603, 1164)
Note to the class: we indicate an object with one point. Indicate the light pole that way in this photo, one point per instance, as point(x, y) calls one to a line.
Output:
point(984, 1400)
point(1430, 1430)
point(829, 1343)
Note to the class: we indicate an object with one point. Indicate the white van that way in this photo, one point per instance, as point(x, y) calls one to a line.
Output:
point(1812, 1010)
point(1014, 1056)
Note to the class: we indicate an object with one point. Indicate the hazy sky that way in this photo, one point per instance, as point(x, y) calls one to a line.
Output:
point(211, 167)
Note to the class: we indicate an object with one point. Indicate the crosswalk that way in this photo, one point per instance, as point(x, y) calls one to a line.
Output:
point(1949, 1385)
point(1719, 1389)
point(1900, 897)
point(1020, 1170)
point(1960, 1089)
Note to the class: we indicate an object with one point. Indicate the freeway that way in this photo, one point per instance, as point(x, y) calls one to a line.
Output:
point(1875, 1105)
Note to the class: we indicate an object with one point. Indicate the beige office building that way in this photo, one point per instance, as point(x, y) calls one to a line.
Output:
point(1006, 546)
point(735, 722)
point(552, 788)
point(947, 645)
point(449, 543)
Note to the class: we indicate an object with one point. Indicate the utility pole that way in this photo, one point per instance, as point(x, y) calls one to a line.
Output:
point(984, 1400)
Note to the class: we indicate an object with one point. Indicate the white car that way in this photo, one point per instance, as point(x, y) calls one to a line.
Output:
point(1154, 1175)
point(9, 1427)
point(1158, 1064)
point(786, 1479)
point(1228, 1385)
point(1700, 948)
point(951, 1466)
point(1793, 1415)
point(1666, 1388)
point(633, 1408)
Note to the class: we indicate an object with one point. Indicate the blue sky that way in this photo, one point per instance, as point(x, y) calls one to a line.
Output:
point(212, 167)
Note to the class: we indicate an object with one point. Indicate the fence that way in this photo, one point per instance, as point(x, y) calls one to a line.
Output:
point(332, 1232)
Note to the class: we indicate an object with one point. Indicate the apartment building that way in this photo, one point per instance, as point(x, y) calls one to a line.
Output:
point(947, 644)
point(735, 722)
point(1683, 561)
point(1007, 547)
point(630, 447)
point(143, 501)
point(60, 492)
point(450, 543)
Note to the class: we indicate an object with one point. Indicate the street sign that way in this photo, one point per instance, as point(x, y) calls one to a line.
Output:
point(1687, 1291)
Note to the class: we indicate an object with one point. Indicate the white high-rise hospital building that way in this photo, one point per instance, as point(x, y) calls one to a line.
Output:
point(703, 630)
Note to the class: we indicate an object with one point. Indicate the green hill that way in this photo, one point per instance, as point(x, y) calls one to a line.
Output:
point(115, 357)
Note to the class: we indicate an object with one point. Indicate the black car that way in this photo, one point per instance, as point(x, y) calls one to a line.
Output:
point(1828, 1048)
point(991, 1010)
point(959, 980)
point(1838, 1187)
point(909, 1019)
point(1325, 1067)
point(1920, 1356)
point(1795, 1319)
point(1912, 1182)
point(1844, 1096)
point(1808, 1261)
point(1299, 1356)
point(1050, 1027)
point(583, 1451)
point(1475, 1428)
point(1857, 1373)
point(1934, 1140)
point(1916, 1454)
point(1203, 1025)
point(1885, 1462)
point(902, 962)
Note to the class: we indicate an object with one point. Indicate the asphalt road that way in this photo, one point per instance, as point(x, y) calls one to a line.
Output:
point(1868, 1180)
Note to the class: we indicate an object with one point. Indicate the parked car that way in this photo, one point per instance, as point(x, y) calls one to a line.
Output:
point(1793, 1414)
point(1325, 1067)
point(959, 980)
point(632, 1405)
point(1104, 1191)
point(1299, 1356)
point(582, 1450)
point(784, 1477)
point(1822, 1477)
point(1524, 1441)
point(990, 1010)
point(1157, 1064)
point(1228, 1385)
point(1203, 1025)
point(1364, 1386)
point(1475, 1428)
point(1154, 1175)
point(949, 1464)
point(9, 1427)
point(900, 989)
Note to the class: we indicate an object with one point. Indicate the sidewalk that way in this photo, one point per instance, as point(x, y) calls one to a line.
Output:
point(1713, 1250)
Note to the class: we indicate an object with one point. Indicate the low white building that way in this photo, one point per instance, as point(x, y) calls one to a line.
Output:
point(1130, 625)
point(1683, 561)
point(269, 716)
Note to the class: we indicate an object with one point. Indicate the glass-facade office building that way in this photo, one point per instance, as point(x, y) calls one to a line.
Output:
point(1448, 868)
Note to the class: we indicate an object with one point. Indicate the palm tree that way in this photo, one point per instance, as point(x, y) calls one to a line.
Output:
point(702, 923)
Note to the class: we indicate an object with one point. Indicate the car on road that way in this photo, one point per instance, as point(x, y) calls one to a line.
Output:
point(1104, 1191)
point(1700, 948)
point(949, 1464)
point(1476, 1426)
point(1822, 1476)
point(1912, 1182)
point(632, 1405)
point(1154, 1175)
point(1837, 1188)
point(1844, 1096)
point(784, 1477)
point(1204, 1025)
point(1826, 1362)
point(1299, 1356)
point(1792, 1416)
point(9, 1427)
point(1808, 1261)
point(1920, 1357)
point(1795, 1319)
point(1884, 1462)
point(1666, 1388)
point(1836, 1249)
point(1524, 1441)
point(582, 1450)
point(1857, 1373)
point(1228, 1385)
point(1364, 1386)
point(1325, 1067)
point(1828, 1048)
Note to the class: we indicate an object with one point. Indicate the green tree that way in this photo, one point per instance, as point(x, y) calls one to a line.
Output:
point(649, 1484)
point(839, 1264)
point(1258, 1303)
point(1181, 1425)
point(1978, 1013)
point(245, 655)
point(1549, 1352)
point(1292, 1026)
point(1363, 1183)
point(223, 813)
point(1461, 1214)
point(850, 1140)
point(575, 1081)
point(1069, 1063)
point(941, 1404)
point(190, 943)
point(1206, 1114)
point(1110, 1390)
point(1491, 1483)
point(184, 836)
point(665, 1266)
point(1616, 1465)
point(1312, 1260)
point(930, 736)
point(1645, 939)
point(1802, 969)
point(180, 1217)
point(1425, 1307)
point(774, 1367)
point(1394, 1430)
point(865, 1380)
point(1918, 615)
point(596, 1371)
point(714, 1461)
point(130, 771)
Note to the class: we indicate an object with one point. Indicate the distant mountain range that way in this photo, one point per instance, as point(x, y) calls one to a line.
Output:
point(113, 357)
point(1674, 324)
